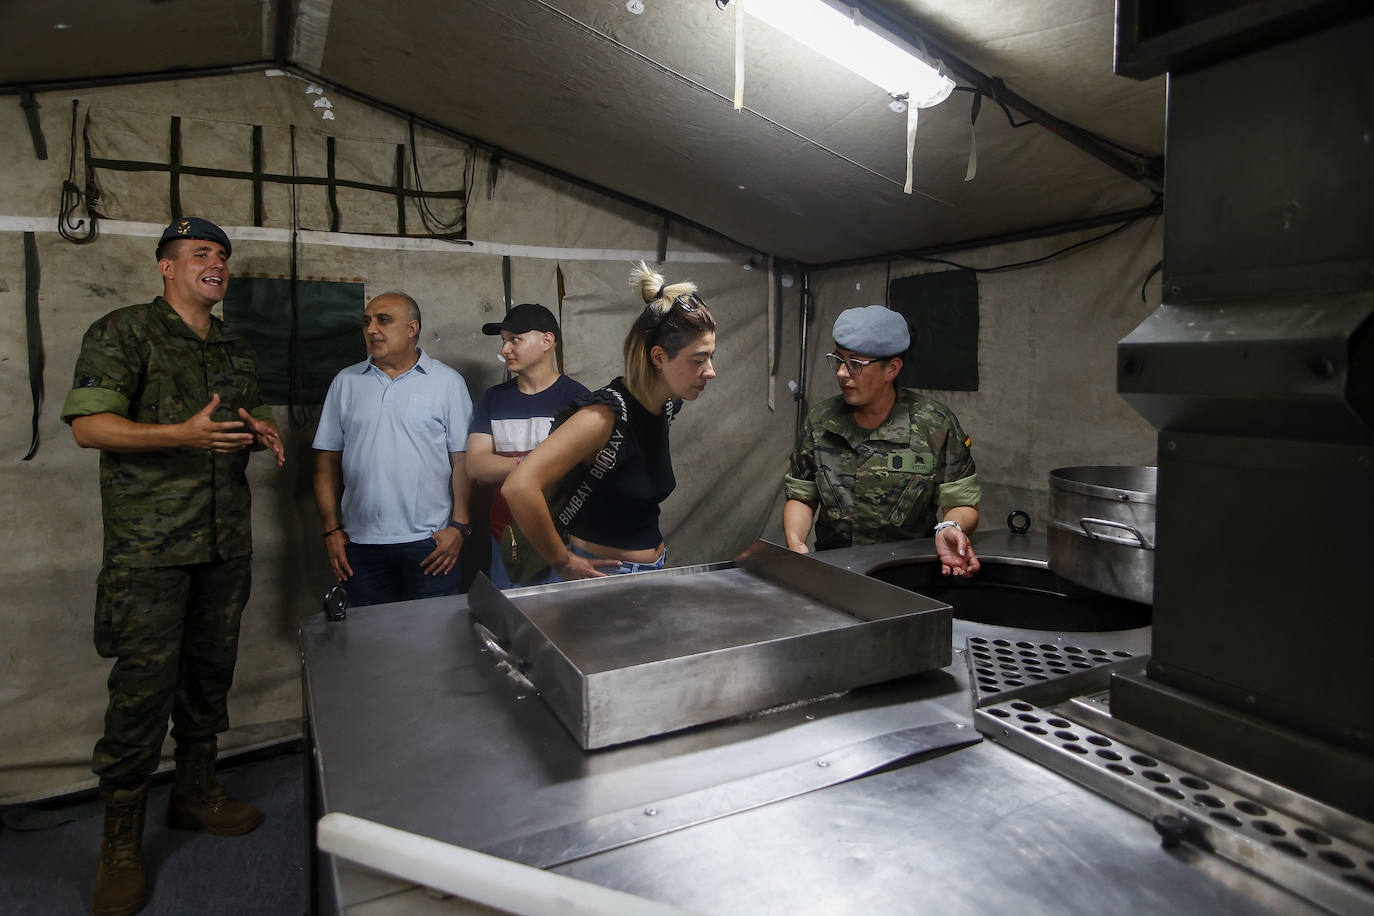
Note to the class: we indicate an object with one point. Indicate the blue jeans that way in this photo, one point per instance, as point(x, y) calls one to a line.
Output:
point(624, 568)
point(383, 573)
point(501, 579)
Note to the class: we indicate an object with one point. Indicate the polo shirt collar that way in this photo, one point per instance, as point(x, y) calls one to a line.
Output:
point(425, 364)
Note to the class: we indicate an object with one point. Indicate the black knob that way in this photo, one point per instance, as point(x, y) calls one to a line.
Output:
point(336, 604)
point(1172, 829)
point(1321, 367)
point(1018, 522)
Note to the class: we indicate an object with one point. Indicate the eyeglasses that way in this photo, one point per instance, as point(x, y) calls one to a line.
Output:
point(855, 366)
point(688, 302)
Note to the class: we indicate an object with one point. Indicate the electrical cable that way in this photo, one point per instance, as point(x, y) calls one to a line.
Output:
point(434, 225)
point(296, 413)
point(1011, 119)
point(1159, 265)
point(72, 197)
point(1054, 254)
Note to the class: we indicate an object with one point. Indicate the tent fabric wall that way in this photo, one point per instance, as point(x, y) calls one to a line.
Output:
point(52, 693)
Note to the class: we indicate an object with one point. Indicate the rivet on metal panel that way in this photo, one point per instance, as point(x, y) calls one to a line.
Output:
point(1290, 215)
point(822, 763)
point(652, 812)
point(1321, 367)
point(1171, 445)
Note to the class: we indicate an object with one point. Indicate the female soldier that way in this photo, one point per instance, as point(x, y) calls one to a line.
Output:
point(618, 441)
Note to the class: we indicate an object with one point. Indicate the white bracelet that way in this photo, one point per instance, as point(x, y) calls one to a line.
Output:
point(940, 525)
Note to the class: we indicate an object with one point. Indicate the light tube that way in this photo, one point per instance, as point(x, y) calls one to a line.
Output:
point(831, 32)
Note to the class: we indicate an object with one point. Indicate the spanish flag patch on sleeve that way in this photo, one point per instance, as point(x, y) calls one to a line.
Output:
point(967, 441)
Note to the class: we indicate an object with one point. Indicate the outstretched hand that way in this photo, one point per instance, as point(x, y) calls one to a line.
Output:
point(578, 567)
point(265, 435)
point(202, 432)
point(956, 553)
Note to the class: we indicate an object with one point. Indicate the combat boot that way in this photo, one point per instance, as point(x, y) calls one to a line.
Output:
point(200, 803)
point(120, 885)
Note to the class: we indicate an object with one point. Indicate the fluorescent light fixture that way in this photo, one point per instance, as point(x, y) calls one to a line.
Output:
point(834, 31)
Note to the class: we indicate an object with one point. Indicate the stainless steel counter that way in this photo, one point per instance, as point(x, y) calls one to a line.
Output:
point(413, 725)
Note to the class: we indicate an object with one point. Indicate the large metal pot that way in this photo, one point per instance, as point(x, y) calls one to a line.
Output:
point(1101, 533)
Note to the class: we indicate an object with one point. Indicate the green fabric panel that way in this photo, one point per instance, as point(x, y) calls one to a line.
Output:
point(804, 491)
point(330, 335)
point(965, 492)
point(942, 309)
point(84, 402)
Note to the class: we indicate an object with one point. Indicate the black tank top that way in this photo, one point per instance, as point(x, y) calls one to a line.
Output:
point(622, 510)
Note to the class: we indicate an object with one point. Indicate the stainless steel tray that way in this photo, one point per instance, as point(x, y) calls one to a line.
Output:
point(627, 657)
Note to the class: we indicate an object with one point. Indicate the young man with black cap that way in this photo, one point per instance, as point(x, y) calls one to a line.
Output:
point(170, 397)
point(512, 418)
point(880, 463)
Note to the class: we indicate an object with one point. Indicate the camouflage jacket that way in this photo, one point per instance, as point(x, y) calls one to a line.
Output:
point(885, 484)
point(175, 506)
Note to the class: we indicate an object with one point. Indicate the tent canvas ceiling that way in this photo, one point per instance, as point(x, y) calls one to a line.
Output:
point(812, 170)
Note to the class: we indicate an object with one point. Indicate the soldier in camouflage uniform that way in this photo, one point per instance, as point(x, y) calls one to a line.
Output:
point(880, 463)
point(171, 399)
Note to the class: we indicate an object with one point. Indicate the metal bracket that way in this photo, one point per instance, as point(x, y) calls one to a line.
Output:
point(570, 842)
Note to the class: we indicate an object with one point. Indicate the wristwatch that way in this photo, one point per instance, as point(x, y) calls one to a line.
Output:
point(463, 528)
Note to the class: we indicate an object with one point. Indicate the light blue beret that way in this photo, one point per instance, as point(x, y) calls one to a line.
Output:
point(872, 331)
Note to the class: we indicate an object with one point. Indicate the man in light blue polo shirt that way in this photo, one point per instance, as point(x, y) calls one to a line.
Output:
point(391, 441)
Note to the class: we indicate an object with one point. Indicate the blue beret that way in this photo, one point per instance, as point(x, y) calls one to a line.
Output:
point(193, 227)
point(872, 331)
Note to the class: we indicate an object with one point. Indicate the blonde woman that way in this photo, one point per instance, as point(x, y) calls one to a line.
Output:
point(617, 443)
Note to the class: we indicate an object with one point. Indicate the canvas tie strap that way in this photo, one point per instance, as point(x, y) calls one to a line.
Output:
point(30, 106)
point(35, 332)
point(739, 54)
point(973, 137)
point(911, 120)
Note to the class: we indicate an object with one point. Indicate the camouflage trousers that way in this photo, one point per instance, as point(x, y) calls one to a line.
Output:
point(174, 633)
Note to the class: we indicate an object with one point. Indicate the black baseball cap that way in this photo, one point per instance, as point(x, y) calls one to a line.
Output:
point(527, 316)
point(193, 227)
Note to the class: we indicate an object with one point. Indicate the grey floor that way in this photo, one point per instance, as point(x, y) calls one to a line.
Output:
point(48, 870)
